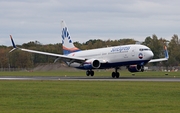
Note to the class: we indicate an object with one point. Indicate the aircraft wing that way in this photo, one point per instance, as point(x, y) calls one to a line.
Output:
point(158, 60)
point(62, 57)
point(161, 59)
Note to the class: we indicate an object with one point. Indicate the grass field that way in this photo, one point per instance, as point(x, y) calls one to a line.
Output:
point(106, 73)
point(88, 97)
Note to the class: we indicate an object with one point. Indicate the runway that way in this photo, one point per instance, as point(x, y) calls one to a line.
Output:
point(91, 78)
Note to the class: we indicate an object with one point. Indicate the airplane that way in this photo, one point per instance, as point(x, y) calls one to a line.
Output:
point(133, 56)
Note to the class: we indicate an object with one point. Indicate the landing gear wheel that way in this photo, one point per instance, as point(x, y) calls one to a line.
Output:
point(142, 69)
point(87, 73)
point(113, 74)
point(117, 75)
point(92, 73)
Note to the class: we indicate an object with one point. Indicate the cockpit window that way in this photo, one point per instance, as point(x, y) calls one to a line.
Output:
point(144, 49)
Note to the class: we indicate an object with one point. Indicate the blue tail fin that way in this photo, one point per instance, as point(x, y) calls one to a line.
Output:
point(67, 43)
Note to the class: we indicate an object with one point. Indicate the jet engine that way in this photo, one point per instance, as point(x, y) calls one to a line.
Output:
point(92, 63)
point(135, 68)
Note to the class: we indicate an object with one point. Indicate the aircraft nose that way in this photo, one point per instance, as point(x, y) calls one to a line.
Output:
point(151, 54)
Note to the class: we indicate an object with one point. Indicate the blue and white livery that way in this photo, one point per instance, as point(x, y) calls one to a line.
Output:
point(68, 46)
point(133, 56)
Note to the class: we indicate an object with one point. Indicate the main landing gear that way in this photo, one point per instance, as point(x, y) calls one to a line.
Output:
point(116, 73)
point(90, 72)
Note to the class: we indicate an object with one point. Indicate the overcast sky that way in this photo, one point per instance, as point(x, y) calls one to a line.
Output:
point(39, 20)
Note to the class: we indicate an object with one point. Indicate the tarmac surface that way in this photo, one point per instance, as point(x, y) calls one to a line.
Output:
point(165, 79)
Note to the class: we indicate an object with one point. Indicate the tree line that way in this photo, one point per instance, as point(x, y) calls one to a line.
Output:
point(20, 59)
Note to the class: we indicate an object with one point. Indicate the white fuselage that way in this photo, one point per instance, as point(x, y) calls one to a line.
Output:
point(117, 55)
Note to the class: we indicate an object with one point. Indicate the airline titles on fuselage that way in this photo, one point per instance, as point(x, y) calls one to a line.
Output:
point(121, 49)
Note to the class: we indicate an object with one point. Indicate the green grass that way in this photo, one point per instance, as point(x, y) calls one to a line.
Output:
point(105, 73)
point(88, 97)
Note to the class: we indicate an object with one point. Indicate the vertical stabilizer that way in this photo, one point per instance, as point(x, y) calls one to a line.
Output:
point(67, 43)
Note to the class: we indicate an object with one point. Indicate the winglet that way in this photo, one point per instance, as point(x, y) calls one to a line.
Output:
point(14, 46)
point(166, 52)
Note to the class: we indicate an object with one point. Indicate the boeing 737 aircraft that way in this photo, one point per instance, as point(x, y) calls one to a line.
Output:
point(133, 56)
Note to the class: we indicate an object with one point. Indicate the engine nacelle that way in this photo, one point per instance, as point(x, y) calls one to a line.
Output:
point(135, 68)
point(92, 63)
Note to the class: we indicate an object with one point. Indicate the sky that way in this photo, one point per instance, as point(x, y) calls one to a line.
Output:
point(40, 20)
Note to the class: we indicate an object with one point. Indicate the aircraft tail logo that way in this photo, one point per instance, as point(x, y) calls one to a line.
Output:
point(67, 43)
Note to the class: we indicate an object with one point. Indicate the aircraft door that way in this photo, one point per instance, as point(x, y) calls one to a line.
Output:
point(133, 52)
